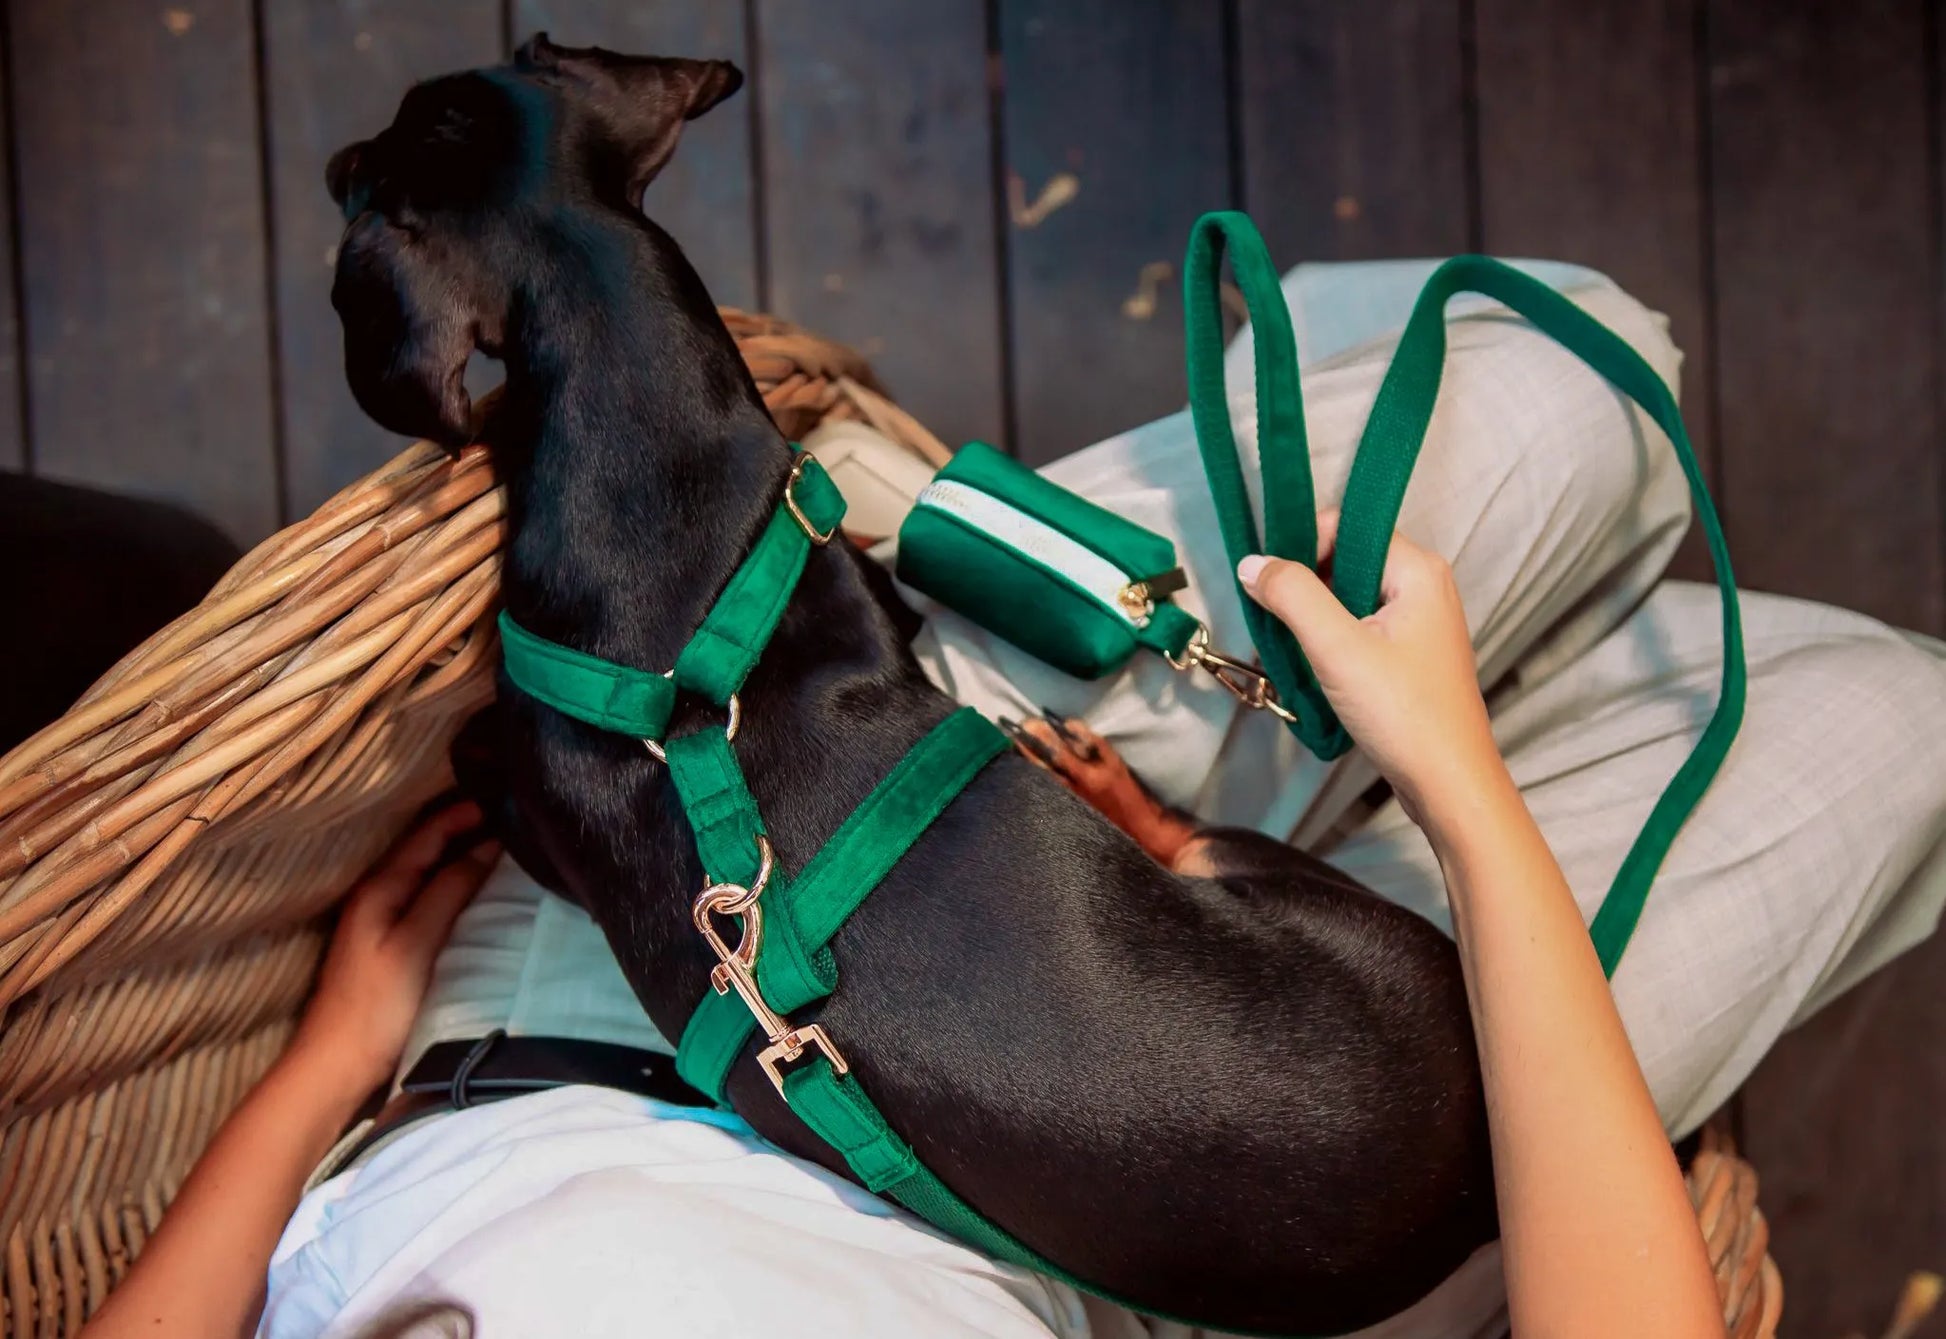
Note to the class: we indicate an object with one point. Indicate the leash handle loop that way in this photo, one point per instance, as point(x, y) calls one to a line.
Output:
point(1283, 450)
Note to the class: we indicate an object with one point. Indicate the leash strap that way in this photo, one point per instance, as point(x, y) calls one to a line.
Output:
point(1383, 466)
point(1387, 452)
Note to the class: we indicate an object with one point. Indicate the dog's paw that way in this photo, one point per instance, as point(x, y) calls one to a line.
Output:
point(1065, 746)
point(1089, 766)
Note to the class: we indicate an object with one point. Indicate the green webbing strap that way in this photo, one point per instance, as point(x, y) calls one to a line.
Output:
point(803, 914)
point(716, 660)
point(715, 799)
point(1283, 452)
point(838, 878)
point(614, 697)
point(838, 1110)
point(865, 848)
point(1384, 463)
point(727, 646)
point(1169, 629)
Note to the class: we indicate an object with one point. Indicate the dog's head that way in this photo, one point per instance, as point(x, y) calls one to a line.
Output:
point(441, 206)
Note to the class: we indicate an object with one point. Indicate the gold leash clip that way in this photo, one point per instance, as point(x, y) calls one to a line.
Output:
point(736, 969)
point(1248, 684)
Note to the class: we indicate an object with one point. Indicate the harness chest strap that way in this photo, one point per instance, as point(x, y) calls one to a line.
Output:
point(796, 966)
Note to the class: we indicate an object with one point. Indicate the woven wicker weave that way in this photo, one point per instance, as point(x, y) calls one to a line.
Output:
point(168, 847)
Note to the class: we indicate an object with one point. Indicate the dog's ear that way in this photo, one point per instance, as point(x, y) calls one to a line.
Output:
point(413, 313)
point(641, 102)
point(337, 174)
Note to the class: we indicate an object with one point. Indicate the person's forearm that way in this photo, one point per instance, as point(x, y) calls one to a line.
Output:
point(1598, 1233)
point(202, 1273)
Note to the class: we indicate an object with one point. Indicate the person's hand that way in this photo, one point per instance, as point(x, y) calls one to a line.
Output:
point(1403, 681)
point(380, 961)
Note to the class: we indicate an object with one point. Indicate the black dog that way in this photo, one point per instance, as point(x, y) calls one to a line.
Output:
point(1205, 1072)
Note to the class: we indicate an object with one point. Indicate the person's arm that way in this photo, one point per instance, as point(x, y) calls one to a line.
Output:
point(1598, 1234)
point(202, 1273)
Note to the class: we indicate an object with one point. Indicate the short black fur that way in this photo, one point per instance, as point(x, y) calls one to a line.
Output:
point(1253, 1100)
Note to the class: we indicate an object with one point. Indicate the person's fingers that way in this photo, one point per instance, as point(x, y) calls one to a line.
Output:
point(1409, 570)
point(428, 922)
point(402, 870)
point(1327, 533)
point(1296, 595)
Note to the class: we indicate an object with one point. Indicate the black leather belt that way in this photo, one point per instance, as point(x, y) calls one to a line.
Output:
point(454, 1075)
point(498, 1066)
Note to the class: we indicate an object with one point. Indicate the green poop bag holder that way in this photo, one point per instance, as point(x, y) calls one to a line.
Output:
point(1085, 589)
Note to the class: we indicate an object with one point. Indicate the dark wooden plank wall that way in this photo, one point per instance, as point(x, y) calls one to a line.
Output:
point(144, 300)
point(1126, 108)
point(334, 74)
point(876, 140)
point(990, 197)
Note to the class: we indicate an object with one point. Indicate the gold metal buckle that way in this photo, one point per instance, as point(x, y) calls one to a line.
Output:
point(1248, 684)
point(736, 969)
point(797, 512)
point(730, 727)
point(1136, 602)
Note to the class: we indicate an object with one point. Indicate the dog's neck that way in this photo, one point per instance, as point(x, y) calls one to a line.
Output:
point(640, 461)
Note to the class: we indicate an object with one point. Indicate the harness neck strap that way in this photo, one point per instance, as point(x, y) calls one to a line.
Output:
point(724, 650)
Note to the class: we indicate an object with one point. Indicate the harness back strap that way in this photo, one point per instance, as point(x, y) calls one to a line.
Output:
point(732, 638)
point(796, 966)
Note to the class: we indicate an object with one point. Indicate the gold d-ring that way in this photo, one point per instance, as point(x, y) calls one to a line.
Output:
point(797, 512)
point(730, 727)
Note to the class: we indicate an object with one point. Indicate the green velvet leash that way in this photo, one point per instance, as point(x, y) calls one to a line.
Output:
point(1376, 488)
point(1283, 451)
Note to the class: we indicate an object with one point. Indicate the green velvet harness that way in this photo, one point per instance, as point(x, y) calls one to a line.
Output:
point(794, 920)
point(801, 915)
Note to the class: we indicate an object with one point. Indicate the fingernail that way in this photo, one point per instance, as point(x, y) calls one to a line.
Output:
point(1250, 568)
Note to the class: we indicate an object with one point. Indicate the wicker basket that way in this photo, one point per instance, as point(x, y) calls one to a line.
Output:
point(168, 847)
